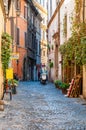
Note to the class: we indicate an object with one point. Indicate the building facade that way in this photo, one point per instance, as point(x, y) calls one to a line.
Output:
point(21, 42)
point(51, 8)
point(16, 26)
point(42, 8)
point(54, 39)
point(38, 39)
point(33, 42)
point(64, 11)
point(2, 20)
point(84, 68)
point(23, 24)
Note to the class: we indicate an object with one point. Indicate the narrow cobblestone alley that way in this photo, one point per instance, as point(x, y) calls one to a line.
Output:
point(42, 107)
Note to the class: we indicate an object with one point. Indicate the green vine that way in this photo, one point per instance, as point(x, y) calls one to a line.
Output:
point(48, 46)
point(75, 48)
point(65, 26)
point(5, 51)
point(51, 64)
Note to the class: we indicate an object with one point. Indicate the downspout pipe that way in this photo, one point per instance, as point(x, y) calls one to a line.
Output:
point(83, 11)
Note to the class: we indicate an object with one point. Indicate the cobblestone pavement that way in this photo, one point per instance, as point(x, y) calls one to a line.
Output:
point(42, 107)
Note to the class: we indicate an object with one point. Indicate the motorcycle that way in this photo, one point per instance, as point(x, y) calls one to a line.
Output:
point(43, 78)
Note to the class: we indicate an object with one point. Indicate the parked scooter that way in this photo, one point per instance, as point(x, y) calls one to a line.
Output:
point(43, 78)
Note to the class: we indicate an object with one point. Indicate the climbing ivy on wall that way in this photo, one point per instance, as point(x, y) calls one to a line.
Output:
point(5, 51)
point(51, 64)
point(74, 49)
point(65, 26)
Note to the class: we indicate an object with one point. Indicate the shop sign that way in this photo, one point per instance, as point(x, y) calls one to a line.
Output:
point(15, 56)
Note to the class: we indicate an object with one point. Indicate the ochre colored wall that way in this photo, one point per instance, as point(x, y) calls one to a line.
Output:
point(21, 23)
point(1, 30)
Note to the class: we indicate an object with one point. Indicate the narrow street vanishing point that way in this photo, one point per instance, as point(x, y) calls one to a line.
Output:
point(42, 107)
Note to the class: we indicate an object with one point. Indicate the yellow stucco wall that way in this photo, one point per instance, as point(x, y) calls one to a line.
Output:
point(1, 30)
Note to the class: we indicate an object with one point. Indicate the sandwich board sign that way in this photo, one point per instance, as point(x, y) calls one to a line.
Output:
point(9, 73)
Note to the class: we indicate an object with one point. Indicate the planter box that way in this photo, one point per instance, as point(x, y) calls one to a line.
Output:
point(14, 90)
point(57, 86)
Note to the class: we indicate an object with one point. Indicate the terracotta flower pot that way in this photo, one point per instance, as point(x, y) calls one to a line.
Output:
point(64, 91)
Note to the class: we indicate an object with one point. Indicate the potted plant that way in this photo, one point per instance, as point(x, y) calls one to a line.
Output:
point(58, 83)
point(64, 87)
point(13, 83)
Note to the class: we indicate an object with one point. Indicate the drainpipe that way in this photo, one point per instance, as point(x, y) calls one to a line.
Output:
point(83, 11)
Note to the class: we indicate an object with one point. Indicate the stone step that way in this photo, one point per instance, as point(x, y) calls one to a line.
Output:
point(1, 107)
point(1, 102)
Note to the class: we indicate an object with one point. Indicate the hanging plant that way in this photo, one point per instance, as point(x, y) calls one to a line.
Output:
point(5, 51)
point(51, 64)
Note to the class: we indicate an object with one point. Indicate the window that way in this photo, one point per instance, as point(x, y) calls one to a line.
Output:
point(44, 35)
point(33, 43)
point(50, 7)
point(18, 34)
point(43, 3)
point(41, 33)
point(32, 18)
point(12, 27)
point(39, 49)
point(25, 36)
point(17, 4)
point(43, 53)
point(25, 12)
